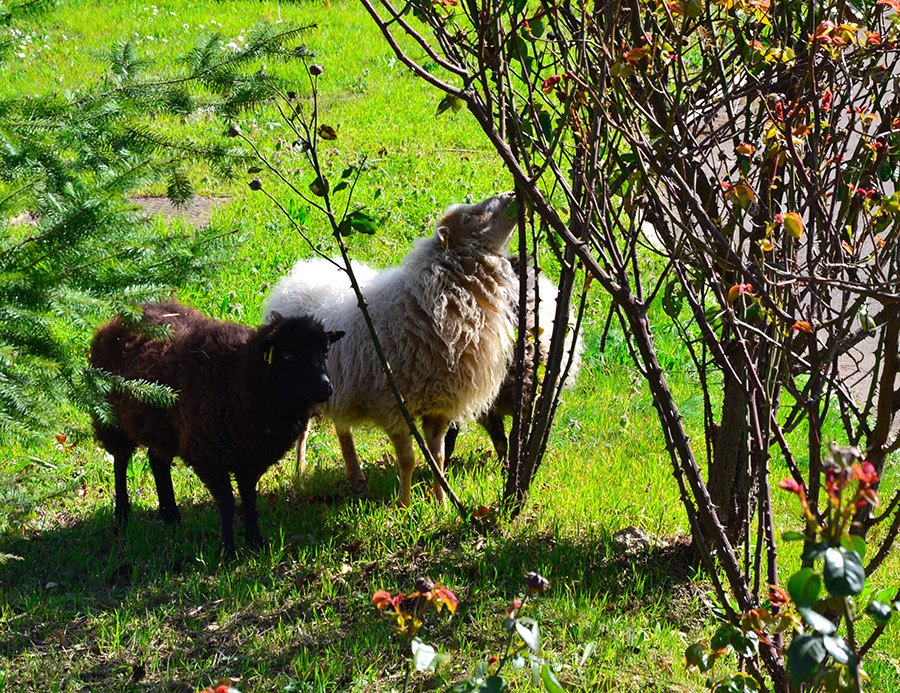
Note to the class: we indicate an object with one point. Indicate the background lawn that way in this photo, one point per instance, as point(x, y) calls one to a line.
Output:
point(156, 608)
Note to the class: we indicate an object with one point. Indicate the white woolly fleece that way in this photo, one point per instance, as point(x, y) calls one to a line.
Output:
point(445, 318)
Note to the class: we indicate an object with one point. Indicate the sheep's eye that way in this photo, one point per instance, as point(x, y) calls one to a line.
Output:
point(288, 356)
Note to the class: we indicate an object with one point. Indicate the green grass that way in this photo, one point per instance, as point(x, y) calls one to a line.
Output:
point(156, 608)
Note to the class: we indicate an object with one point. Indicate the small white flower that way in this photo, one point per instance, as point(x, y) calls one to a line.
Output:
point(164, 40)
point(232, 45)
point(20, 55)
point(150, 38)
point(185, 26)
point(241, 38)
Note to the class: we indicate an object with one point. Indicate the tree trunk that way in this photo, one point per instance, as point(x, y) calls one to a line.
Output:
point(730, 484)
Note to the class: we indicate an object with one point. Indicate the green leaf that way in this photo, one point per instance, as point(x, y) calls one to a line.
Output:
point(804, 587)
point(814, 553)
point(792, 535)
point(358, 221)
point(494, 684)
point(879, 611)
point(746, 644)
point(589, 649)
point(425, 657)
point(530, 632)
point(722, 637)
point(326, 132)
point(340, 186)
point(837, 648)
point(672, 300)
point(854, 542)
point(512, 211)
point(804, 655)
point(319, 187)
point(551, 683)
point(694, 654)
point(843, 572)
point(816, 621)
point(450, 103)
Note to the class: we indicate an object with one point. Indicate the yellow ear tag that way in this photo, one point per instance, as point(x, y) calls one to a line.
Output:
point(445, 242)
point(270, 355)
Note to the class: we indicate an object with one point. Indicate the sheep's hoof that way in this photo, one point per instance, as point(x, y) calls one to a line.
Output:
point(121, 514)
point(359, 487)
point(255, 542)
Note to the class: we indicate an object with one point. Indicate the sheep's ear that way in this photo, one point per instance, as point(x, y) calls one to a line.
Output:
point(275, 317)
point(443, 235)
point(335, 335)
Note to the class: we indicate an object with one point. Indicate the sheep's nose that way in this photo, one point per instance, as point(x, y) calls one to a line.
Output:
point(324, 389)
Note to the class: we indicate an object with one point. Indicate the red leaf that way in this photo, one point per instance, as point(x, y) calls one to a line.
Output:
point(381, 598)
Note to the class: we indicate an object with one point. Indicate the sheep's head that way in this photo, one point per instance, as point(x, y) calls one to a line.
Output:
point(294, 351)
point(487, 224)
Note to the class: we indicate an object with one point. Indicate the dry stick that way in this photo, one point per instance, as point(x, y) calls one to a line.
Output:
point(889, 540)
point(414, 431)
point(514, 454)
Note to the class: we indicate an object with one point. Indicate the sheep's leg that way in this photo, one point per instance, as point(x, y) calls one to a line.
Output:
point(450, 440)
point(300, 468)
point(351, 459)
point(162, 476)
point(493, 424)
point(219, 485)
point(121, 448)
point(435, 429)
point(123, 504)
point(406, 460)
point(247, 488)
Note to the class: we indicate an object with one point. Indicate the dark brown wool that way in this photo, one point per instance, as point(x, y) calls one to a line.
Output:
point(243, 396)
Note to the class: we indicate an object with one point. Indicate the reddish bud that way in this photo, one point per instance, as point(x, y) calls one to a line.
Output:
point(793, 486)
point(550, 84)
point(423, 585)
point(381, 598)
point(536, 583)
point(865, 472)
point(778, 596)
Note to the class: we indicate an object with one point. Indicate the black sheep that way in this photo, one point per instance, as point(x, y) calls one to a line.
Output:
point(243, 396)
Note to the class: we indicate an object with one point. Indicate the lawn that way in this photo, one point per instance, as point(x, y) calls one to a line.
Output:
point(85, 607)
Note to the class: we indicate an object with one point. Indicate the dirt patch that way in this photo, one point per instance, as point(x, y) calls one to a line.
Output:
point(197, 213)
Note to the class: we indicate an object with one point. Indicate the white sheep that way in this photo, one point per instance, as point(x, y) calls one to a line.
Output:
point(445, 319)
point(544, 297)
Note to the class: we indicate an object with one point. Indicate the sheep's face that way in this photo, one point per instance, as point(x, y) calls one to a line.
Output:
point(295, 350)
point(487, 224)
